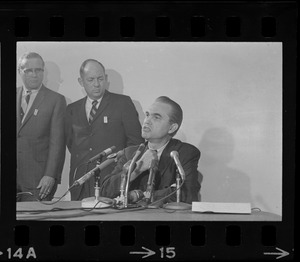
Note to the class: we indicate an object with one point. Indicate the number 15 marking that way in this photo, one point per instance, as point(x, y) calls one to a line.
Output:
point(169, 252)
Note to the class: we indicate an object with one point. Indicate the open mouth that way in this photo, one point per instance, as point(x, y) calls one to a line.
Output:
point(146, 129)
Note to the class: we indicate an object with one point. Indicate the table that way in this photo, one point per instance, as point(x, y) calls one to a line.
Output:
point(71, 211)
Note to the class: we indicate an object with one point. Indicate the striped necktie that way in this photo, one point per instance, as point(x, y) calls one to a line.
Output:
point(93, 111)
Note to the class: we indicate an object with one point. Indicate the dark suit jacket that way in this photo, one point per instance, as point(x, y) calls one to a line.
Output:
point(84, 141)
point(164, 178)
point(40, 139)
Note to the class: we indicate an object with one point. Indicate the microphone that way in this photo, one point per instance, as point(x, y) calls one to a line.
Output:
point(103, 165)
point(102, 154)
point(123, 182)
point(175, 156)
point(137, 153)
point(133, 162)
point(150, 183)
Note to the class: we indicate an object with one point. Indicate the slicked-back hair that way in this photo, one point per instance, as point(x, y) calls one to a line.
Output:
point(27, 56)
point(82, 67)
point(176, 115)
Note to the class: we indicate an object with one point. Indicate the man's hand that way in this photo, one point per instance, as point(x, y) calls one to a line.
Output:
point(144, 163)
point(46, 184)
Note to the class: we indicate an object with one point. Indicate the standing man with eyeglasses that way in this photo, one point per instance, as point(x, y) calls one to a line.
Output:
point(95, 123)
point(40, 133)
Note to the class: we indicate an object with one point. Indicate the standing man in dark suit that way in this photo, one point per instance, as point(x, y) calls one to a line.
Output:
point(97, 122)
point(40, 133)
point(162, 121)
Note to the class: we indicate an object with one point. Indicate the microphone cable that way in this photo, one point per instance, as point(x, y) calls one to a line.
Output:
point(44, 202)
point(108, 201)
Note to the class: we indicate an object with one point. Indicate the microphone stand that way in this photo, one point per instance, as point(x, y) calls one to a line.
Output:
point(130, 169)
point(148, 194)
point(122, 201)
point(95, 201)
point(178, 205)
point(119, 201)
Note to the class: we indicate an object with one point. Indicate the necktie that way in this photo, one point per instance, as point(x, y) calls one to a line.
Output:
point(93, 111)
point(155, 153)
point(27, 97)
point(24, 108)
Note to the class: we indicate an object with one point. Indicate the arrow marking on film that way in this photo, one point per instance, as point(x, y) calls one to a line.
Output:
point(282, 253)
point(148, 253)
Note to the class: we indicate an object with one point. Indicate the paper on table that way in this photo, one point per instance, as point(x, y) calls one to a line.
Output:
point(237, 208)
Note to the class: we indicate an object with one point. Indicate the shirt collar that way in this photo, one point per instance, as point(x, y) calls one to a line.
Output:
point(161, 149)
point(91, 100)
point(33, 91)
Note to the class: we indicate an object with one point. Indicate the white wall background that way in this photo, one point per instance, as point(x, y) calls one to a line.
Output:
point(231, 95)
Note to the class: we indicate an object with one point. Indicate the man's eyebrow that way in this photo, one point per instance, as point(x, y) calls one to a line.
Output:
point(154, 114)
point(157, 114)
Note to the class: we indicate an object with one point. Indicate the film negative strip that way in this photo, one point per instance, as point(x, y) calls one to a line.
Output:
point(232, 68)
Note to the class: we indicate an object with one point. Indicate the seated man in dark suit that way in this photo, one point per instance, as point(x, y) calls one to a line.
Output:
point(162, 121)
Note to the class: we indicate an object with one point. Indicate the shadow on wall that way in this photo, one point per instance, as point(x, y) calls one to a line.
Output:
point(200, 179)
point(221, 183)
point(116, 85)
point(53, 79)
point(52, 76)
point(115, 81)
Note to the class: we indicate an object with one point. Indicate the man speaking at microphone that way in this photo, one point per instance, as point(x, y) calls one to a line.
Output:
point(162, 121)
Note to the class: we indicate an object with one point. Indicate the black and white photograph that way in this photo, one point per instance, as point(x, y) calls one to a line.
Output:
point(149, 131)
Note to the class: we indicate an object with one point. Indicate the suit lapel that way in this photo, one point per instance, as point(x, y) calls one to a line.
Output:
point(165, 158)
point(82, 112)
point(35, 105)
point(19, 97)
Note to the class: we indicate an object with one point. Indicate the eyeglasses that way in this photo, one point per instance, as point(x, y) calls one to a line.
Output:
point(30, 71)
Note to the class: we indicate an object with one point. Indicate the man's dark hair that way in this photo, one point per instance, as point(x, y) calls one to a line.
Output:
point(176, 115)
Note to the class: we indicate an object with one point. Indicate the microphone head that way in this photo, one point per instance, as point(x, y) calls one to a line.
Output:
point(139, 151)
point(141, 147)
point(110, 150)
point(116, 156)
point(174, 154)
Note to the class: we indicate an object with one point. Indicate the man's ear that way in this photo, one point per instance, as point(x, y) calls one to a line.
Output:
point(173, 128)
point(80, 81)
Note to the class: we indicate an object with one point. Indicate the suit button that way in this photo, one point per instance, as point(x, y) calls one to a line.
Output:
point(91, 149)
